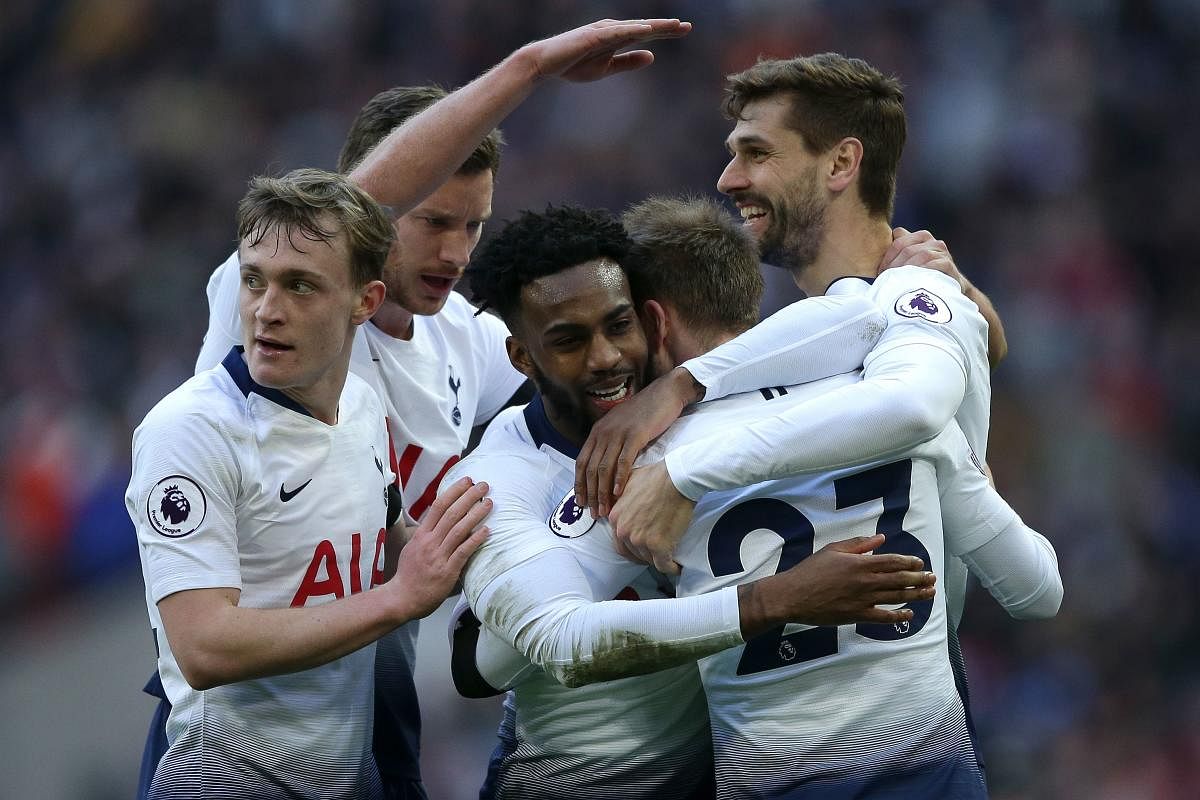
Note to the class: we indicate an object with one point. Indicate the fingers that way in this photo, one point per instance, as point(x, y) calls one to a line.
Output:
point(624, 468)
point(625, 552)
point(448, 496)
point(898, 597)
point(859, 544)
point(596, 463)
point(603, 472)
point(471, 519)
point(627, 62)
point(466, 548)
point(666, 565)
point(582, 462)
point(468, 509)
point(887, 616)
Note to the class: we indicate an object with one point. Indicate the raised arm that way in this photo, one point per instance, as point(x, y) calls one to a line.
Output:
point(422, 153)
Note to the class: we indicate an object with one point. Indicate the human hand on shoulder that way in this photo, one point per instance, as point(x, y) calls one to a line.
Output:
point(920, 249)
point(650, 518)
point(434, 556)
point(589, 53)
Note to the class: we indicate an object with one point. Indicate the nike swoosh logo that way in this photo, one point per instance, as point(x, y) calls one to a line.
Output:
point(378, 465)
point(285, 495)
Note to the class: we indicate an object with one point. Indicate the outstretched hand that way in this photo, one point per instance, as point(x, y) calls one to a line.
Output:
point(589, 53)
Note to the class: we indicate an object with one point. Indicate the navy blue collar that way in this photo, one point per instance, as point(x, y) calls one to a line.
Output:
point(235, 365)
point(543, 432)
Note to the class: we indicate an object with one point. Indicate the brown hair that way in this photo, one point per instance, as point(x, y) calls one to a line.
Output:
point(302, 200)
point(832, 97)
point(389, 109)
point(690, 252)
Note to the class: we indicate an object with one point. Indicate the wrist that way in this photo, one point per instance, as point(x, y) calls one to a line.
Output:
point(523, 64)
point(754, 608)
point(687, 389)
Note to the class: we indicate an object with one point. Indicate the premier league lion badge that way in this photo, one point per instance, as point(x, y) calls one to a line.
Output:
point(176, 506)
point(923, 304)
point(570, 520)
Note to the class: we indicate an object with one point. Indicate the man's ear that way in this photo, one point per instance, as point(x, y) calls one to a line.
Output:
point(518, 356)
point(369, 300)
point(655, 323)
point(844, 161)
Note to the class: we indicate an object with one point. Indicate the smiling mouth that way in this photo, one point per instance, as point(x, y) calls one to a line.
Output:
point(752, 213)
point(608, 397)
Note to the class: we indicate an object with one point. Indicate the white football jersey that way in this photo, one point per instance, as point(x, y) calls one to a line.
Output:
point(639, 737)
point(453, 374)
point(924, 306)
point(820, 712)
point(926, 316)
point(235, 485)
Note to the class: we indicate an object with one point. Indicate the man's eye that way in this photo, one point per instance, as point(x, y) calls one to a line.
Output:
point(302, 287)
point(251, 281)
point(621, 326)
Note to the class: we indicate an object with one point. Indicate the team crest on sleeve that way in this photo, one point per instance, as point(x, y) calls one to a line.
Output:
point(923, 304)
point(176, 506)
point(570, 520)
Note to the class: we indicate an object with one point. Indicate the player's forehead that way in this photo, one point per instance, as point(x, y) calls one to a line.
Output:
point(279, 249)
point(762, 122)
point(465, 195)
point(583, 295)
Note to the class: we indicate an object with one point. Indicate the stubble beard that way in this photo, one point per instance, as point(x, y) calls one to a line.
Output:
point(563, 406)
point(793, 242)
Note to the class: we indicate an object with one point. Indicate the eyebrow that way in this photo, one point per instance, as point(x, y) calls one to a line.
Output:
point(287, 273)
point(572, 327)
point(744, 140)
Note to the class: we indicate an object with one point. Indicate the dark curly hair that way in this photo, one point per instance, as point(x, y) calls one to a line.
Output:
point(535, 245)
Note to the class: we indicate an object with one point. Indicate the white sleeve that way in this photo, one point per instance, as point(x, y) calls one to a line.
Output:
point(224, 322)
point(1022, 593)
point(914, 381)
point(498, 663)
point(811, 339)
point(184, 457)
point(543, 607)
point(1015, 563)
point(547, 596)
point(500, 379)
point(907, 396)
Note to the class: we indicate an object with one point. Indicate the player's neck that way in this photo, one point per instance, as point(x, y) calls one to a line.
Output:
point(321, 399)
point(683, 346)
point(394, 320)
point(853, 246)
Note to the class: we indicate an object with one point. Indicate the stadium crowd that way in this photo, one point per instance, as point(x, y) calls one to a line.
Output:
point(1048, 145)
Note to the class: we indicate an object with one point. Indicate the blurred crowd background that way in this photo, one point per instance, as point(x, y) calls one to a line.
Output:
point(1052, 144)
